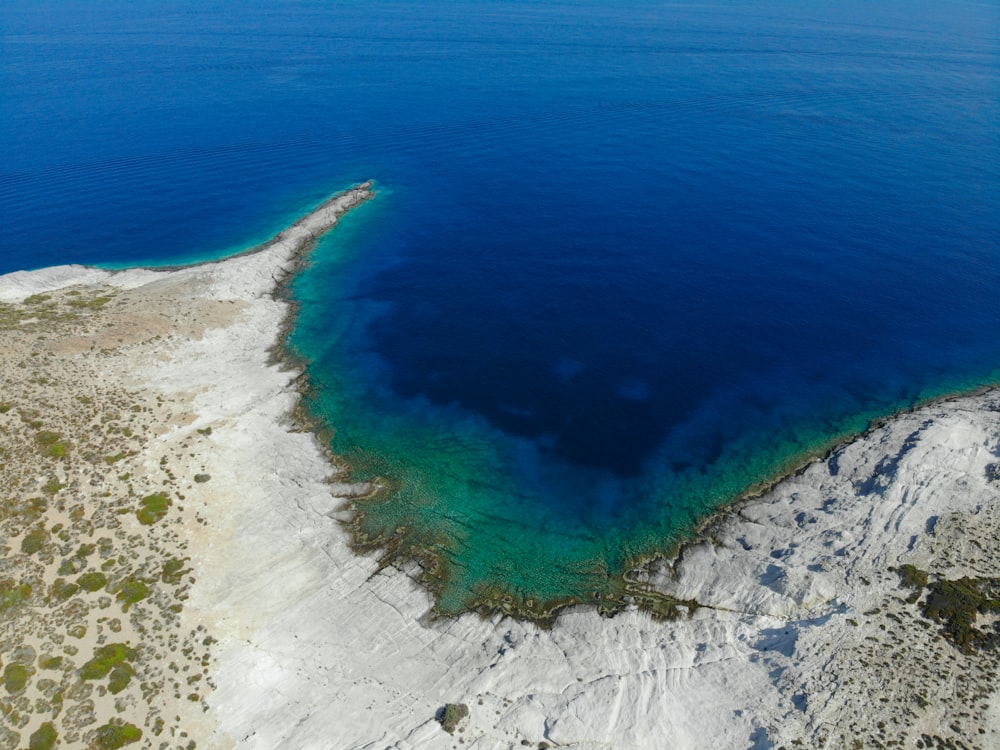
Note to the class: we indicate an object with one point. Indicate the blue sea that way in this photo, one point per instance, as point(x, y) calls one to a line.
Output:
point(628, 260)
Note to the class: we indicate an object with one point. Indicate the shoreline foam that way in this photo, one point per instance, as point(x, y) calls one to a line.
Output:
point(802, 629)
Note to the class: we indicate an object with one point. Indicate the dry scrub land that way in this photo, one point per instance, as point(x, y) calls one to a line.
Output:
point(94, 649)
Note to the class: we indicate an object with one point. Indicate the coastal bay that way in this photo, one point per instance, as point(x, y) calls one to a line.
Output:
point(804, 623)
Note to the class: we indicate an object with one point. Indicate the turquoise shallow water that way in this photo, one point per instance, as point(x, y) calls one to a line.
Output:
point(498, 515)
point(627, 261)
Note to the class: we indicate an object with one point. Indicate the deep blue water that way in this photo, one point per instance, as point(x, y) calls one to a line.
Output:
point(627, 260)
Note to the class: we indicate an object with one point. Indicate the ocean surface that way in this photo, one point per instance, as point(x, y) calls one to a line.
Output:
point(628, 260)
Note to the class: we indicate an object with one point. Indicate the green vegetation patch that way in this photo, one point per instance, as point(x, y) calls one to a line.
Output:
point(912, 577)
point(5, 407)
point(154, 507)
point(43, 738)
point(93, 581)
point(71, 565)
point(16, 676)
point(105, 659)
point(131, 590)
point(29, 510)
point(119, 677)
point(51, 662)
point(956, 605)
point(661, 607)
point(63, 589)
point(451, 715)
point(51, 443)
point(34, 541)
point(173, 571)
point(115, 735)
point(13, 593)
point(96, 302)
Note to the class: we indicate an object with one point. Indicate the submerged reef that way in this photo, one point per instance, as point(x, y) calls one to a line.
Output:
point(531, 567)
point(486, 546)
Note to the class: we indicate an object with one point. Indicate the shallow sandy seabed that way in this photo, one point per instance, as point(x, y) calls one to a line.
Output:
point(273, 634)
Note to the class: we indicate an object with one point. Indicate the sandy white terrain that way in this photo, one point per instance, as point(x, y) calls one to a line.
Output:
point(804, 638)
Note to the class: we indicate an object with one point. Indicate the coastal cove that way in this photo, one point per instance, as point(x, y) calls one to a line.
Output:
point(290, 639)
point(449, 498)
point(474, 503)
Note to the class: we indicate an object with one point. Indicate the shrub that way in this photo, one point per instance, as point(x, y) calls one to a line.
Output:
point(154, 507)
point(63, 590)
point(15, 677)
point(51, 444)
point(43, 738)
point(452, 714)
point(93, 581)
point(132, 590)
point(105, 659)
point(912, 576)
point(956, 605)
point(33, 541)
point(12, 594)
point(121, 675)
point(113, 736)
point(173, 571)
